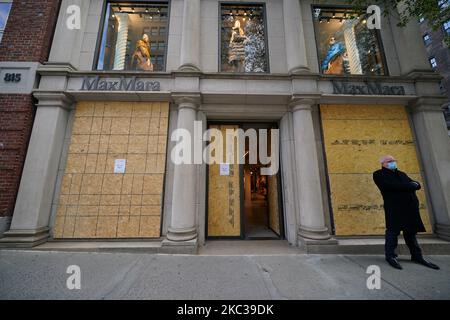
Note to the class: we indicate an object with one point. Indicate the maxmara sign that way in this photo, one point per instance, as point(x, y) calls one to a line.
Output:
point(121, 84)
point(98, 83)
point(367, 88)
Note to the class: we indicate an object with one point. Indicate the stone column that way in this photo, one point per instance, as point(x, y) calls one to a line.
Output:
point(434, 148)
point(312, 220)
point(183, 221)
point(190, 38)
point(67, 42)
point(29, 226)
point(121, 42)
point(408, 40)
point(201, 180)
point(288, 170)
point(295, 40)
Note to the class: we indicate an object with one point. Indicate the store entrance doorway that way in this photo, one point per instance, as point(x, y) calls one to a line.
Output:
point(260, 219)
point(243, 203)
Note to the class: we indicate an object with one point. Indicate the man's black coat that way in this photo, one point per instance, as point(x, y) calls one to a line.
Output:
point(401, 206)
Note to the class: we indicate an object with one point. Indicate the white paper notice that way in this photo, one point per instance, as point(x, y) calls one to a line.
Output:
point(119, 165)
point(224, 169)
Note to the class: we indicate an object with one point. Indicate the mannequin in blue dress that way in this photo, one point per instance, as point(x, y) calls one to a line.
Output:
point(336, 59)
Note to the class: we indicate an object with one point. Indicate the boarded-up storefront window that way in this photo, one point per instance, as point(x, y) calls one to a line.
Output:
point(355, 137)
point(97, 202)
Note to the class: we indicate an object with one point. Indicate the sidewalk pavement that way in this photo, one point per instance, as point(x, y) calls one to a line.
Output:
point(27, 274)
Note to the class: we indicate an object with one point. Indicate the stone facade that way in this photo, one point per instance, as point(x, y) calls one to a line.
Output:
point(290, 95)
point(436, 49)
point(21, 48)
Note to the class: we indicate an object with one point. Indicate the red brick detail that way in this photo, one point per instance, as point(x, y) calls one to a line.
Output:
point(16, 120)
point(29, 31)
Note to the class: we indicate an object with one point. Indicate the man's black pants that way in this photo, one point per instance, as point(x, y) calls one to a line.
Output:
point(392, 241)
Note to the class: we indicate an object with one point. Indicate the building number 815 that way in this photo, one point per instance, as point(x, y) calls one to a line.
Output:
point(12, 77)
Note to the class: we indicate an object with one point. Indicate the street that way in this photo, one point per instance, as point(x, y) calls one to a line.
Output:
point(27, 274)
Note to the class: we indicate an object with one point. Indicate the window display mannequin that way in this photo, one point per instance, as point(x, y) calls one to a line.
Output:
point(336, 60)
point(236, 53)
point(142, 54)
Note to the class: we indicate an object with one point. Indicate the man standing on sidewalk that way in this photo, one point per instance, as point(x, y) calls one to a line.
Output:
point(401, 208)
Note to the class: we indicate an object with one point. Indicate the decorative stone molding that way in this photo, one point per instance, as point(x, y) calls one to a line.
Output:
point(299, 71)
point(5, 223)
point(56, 69)
point(179, 234)
point(187, 100)
point(314, 233)
point(424, 75)
point(442, 231)
point(53, 99)
point(428, 104)
point(303, 103)
point(24, 238)
point(189, 67)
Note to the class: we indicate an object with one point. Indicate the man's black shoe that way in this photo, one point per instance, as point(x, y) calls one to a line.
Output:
point(393, 262)
point(425, 263)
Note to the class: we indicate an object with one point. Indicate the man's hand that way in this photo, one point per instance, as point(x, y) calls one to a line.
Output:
point(415, 184)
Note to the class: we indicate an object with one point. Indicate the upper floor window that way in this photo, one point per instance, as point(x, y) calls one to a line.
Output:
point(442, 88)
point(426, 39)
point(243, 45)
point(345, 44)
point(443, 3)
point(433, 63)
point(134, 36)
point(5, 7)
point(447, 26)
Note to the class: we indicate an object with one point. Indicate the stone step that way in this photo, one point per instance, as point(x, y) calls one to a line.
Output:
point(359, 246)
point(429, 245)
point(126, 246)
point(248, 247)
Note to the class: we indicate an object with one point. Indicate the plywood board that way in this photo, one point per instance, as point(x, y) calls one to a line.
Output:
point(355, 137)
point(224, 198)
point(94, 201)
